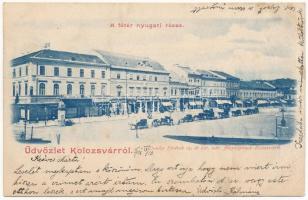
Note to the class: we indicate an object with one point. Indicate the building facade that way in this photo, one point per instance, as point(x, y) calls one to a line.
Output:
point(209, 83)
point(42, 79)
point(257, 90)
point(105, 83)
point(136, 84)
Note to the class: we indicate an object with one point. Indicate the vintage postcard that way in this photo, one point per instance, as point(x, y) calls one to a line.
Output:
point(125, 99)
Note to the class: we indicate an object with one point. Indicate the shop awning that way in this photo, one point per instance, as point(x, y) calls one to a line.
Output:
point(166, 104)
point(206, 108)
point(223, 102)
point(192, 103)
point(238, 102)
point(199, 103)
point(77, 102)
point(262, 102)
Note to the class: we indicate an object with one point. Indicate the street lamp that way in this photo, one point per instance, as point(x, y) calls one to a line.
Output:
point(283, 121)
point(45, 109)
point(25, 124)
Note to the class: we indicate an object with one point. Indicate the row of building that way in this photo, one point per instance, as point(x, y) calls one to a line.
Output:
point(105, 83)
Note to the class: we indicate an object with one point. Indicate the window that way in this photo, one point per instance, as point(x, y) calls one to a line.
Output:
point(26, 89)
point(14, 92)
point(103, 90)
point(19, 71)
point(14, 73)
point(92, 74)
point(155, 78)
point(182, 91)
point(27, 70)
point(131, 91)
point(56, 89)
point(103, 74)
point(42, 70)
point(69, 71)
point(31, 90)
point(138, 77)
point(138, 91)
point(81, 72)
point(56, 71)
point(165, 91)
point(81, 90)
point(119, 92)
point(150, 78)
point(69, 89)
point(118, 76)
point(156, 91)
point(144, 77)
point(145, 91)
point(42, 89)
point(150, 91)
point(130, 76)
point(92, 90)
point(19, 89)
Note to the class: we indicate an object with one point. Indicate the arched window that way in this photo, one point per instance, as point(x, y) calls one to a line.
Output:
point(81, 90)
point(42, 89)
point(31, 90)
point(69, 89)
point(92, 90)
point(56, 89)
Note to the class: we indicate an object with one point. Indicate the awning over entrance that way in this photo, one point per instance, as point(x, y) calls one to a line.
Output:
point(77, 102)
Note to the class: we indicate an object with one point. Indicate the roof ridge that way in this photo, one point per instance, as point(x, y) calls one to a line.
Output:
point(39, 52)
point(123, 55)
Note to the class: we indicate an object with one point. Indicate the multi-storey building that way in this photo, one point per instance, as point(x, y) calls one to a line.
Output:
point(178, 90)
point(257, 90)
point(212, 85)
point(137, 84)
point(231, 83)
point(42, 79)
point(209, 83)
point(105, 83)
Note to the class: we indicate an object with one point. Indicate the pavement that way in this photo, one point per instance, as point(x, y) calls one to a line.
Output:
point(100, 130)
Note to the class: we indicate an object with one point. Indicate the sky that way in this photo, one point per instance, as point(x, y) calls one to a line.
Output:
point(249, 47)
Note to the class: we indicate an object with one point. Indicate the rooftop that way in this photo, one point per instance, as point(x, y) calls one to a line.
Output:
point(225, 75)
point(58, 56)
point(130, 62)
point(256, 85)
